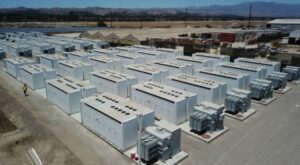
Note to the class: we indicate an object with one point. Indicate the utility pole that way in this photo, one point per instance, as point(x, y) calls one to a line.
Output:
point(110, 13)
point(250, 15)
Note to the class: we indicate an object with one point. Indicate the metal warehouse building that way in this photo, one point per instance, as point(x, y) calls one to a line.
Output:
point(284, 24)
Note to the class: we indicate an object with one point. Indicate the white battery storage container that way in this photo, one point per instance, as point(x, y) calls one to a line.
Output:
point(12, 65)
point(270, 65)
point(42, 48)
point(174, 67)
point(51, 60)
point(170, 53)
point(66, 93)
point(146, 72)
point(206, 89)
point(151, 55)
point(108, 82)
point(79, 56)
point(35, 75)
point(130, 59)
point(114, 119)
point(216, 58)
point(253, 71)
point(130, 50)
point(233, 79)
point(169, 103)
point(74, 68)
point(105, 52)
point(101, 63)
point(61, 46)
point(196, 62)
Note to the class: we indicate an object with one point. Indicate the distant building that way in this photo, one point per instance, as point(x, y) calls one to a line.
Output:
point(284, 24)
point(294, 37)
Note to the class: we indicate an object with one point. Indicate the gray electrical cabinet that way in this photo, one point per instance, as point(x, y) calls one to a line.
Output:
point(279, 80)
point(293, 72)
point(238, 101)
point(169, 103)
point(261, 89)
point(207, 117)
point(160, 142)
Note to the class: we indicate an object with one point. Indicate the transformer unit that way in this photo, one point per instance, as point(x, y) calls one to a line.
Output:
point(101, 63)
point(261, 89)
point(216, 58)
point(253, 71)
point(12, 65)
point(233, 79)
point(271, 66)
point(66, 93)
point(147, 73)
point(130, 59)
point(206, 89)
point(238, 101)
point(170, 53)
point(160, 142)
point(114, 82)
point(196, 62)
point(20, 50)
point(207, 117)
point(169, 103)
point(174, 67)
point(35, 75)
point(293, 72)
point(151, 55)
point(51, 60)
point(79, 56)
point(105, 52)
point(74, 68)
point(115, 119)
point(279, 80)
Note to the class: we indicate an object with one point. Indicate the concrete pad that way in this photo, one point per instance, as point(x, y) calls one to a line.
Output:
point(242, 116)
point(264, 101)
point(174, 160)
point(42, 92)
point(77, 116)
point(185, 127)
point(283, 91)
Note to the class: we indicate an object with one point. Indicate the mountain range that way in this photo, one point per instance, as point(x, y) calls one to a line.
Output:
point(259, 9)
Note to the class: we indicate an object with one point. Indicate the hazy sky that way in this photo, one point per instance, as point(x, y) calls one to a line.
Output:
point(124, 3)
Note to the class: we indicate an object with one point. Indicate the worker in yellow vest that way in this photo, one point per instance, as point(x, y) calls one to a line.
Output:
point(25, 88)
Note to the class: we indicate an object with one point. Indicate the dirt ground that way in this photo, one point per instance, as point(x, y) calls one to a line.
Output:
point(14, 145)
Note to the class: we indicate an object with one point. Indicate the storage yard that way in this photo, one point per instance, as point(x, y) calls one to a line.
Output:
point(131, 104)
